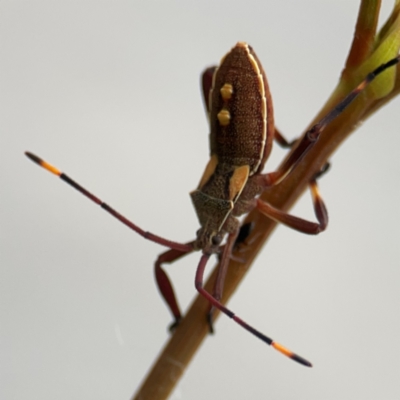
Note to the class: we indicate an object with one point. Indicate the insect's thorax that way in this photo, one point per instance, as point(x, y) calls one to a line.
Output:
point(241, 125)
point(226, 194)
point(214, 200)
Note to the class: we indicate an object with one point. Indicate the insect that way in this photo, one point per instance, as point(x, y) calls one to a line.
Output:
point(242, 130)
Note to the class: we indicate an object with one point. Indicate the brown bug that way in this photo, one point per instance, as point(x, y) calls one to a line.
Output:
point(241, 133)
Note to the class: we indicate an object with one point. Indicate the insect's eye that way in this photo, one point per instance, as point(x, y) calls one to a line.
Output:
point(216, 240)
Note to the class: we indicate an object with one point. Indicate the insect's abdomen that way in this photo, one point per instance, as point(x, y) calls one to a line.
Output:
point(241, 117)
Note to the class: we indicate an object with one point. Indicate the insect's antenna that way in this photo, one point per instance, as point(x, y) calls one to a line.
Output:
point(315, 131)
point(106, 207)
point(230, 314)
point(317, 128)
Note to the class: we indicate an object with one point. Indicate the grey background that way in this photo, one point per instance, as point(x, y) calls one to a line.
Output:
point(109, 92)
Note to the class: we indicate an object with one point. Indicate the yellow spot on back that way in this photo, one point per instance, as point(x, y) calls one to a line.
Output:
point(224, 117)
point(226, 91)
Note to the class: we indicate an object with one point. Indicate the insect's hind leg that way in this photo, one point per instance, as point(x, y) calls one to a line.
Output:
point(319, 205)
point(297, 223)
point(282, 141)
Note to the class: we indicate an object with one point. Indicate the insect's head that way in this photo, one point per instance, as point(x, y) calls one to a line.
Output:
point(209, 240)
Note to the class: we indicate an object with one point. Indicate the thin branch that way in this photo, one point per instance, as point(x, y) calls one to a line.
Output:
point(364, 35)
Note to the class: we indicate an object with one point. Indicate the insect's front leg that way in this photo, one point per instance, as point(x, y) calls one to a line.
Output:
point(164, 283)
point(221, 274)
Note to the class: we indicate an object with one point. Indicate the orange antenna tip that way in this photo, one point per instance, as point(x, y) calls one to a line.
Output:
point(43, 163)
point(290, 354)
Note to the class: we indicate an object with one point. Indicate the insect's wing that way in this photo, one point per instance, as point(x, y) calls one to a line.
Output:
point(206, 84)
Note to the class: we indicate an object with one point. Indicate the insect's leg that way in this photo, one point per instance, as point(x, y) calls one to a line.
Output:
point(221, 274)
point(244, 233)
point(281, 140)
point(147, 235)
point(297, 223)
point(319, 205)
point(215, 303)
point(164, 283)
point(312, 135)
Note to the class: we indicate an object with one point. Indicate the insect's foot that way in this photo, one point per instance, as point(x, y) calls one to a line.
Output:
point(322, 171)
point(210, 321)
point(174, 325)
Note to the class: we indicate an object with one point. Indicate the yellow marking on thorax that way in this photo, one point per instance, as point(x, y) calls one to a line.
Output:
point(238, 181)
